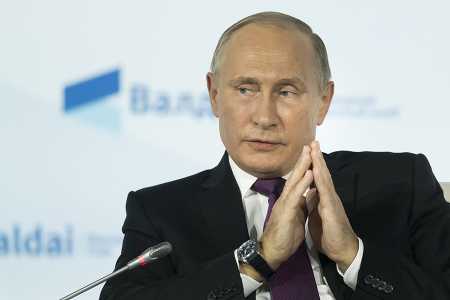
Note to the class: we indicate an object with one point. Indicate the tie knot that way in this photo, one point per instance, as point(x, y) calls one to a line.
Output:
point(267, 187)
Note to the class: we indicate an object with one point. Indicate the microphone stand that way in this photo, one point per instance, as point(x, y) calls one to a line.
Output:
point(151, 254)
point(95, 283)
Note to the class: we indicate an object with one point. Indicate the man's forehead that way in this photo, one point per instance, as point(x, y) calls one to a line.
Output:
point(255, 42)
point(252, 33)
point(267, 48)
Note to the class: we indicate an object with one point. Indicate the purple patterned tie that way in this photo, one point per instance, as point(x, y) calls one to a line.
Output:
point(294, 279)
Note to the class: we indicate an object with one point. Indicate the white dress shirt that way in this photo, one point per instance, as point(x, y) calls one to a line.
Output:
point(255, 206)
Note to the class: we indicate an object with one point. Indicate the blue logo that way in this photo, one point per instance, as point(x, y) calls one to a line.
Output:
point(36, 241)
point(89, 100)
point(91, 90)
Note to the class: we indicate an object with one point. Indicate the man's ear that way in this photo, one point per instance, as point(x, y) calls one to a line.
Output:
point(325, 102)
point(212, 90)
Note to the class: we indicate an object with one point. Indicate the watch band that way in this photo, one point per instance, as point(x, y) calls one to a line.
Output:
point(260, 265)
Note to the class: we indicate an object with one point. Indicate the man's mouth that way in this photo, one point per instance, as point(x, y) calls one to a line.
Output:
point(263, 145)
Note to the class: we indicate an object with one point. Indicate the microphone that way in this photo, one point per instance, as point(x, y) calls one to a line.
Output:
point(153, 253)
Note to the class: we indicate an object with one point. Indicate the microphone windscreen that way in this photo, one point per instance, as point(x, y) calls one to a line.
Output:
point(161, 250)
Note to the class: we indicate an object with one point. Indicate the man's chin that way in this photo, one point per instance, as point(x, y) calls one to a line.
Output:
point(263, 168)
point(262, 164)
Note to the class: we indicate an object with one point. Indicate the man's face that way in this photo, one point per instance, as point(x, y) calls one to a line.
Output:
point(267, 98)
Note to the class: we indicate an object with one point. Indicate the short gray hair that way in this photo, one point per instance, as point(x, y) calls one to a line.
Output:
point(280, 20)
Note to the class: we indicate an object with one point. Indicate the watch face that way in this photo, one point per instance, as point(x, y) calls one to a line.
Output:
point(247, 250)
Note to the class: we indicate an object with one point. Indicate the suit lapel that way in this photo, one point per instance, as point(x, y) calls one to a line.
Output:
point(222, 208)
point(345, 182)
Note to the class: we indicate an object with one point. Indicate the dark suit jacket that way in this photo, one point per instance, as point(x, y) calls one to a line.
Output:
point(393, 201)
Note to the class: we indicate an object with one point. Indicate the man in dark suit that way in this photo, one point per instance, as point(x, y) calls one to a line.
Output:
point(277, 218)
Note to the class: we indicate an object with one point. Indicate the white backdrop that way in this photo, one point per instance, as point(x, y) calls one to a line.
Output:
point(65, 169)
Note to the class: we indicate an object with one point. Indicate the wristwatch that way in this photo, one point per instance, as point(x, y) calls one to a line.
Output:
point(248, 253)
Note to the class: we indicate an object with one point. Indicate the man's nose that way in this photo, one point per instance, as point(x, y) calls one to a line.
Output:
point(265, 113)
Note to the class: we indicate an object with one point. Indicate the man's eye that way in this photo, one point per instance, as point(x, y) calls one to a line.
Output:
point(286, 93)
point(243, 91)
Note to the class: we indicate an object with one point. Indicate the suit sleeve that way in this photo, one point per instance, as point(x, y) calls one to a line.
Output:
point(218, 278)
point(387, 273)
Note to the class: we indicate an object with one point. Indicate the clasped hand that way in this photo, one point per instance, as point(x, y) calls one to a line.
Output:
point(329, 226)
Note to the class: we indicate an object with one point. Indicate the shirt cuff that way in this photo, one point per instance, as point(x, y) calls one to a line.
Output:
point(351, 274)
point(248, 283)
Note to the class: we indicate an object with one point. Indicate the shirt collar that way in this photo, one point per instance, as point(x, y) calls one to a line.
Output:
point(244, 179)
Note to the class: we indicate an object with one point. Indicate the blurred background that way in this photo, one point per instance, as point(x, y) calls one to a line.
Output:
point(98, 98)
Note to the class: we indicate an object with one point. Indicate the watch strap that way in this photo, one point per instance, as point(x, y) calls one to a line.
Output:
point(260, 265)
